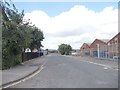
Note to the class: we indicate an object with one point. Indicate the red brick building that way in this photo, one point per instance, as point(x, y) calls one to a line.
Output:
point(102, 48)
point(114, 46)
point(85, 49)
point(95, 48)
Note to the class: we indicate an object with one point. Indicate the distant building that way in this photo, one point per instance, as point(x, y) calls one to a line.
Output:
point(85, 49)
point(45, 52)
point(35, 50)
point(95, 48)
point(114, 46)
point(27, 50)
point(102, 48)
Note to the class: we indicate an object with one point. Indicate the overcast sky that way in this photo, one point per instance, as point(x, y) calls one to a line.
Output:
point(72, 22)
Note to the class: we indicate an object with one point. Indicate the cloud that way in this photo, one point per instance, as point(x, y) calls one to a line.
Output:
point(75, 26)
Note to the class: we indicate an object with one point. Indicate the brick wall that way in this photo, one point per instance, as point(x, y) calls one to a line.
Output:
point(85, 50)
point(94, 48)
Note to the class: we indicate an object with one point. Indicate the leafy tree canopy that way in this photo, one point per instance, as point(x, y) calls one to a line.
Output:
point(64, 49)
point(17, 34)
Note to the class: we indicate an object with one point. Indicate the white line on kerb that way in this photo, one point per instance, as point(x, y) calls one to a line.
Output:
point(26, 77)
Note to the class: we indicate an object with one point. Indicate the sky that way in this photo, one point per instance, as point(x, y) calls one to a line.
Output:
point(72, 23)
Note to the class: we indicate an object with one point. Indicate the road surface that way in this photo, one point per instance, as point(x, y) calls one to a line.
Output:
point(66, 72)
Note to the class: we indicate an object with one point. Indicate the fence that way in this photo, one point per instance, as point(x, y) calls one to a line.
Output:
point(30, 55)
point(111, 51)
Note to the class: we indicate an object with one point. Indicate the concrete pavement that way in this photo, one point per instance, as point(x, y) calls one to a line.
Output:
point(21, 71)
point(104, 62)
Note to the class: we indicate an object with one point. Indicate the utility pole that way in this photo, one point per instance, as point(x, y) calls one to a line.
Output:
point(98, 50)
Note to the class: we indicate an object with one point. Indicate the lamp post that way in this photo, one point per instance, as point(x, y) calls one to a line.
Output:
point(98, 50)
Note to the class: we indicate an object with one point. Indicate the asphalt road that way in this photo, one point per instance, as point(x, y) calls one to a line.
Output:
point(66, 72)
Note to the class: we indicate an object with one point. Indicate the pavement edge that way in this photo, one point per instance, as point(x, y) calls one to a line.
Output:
point(17, 80)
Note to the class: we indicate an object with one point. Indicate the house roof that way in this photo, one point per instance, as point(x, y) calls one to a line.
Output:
point(88, 44)
point(104, 40)
point(95, 40)
point(114, 37)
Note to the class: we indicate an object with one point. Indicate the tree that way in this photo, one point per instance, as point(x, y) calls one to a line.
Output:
point(64, 49)
point(37, 37)
point(16, 35)
point(11, 35)
point(68, 49)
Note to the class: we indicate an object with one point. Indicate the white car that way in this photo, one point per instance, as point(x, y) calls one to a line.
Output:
point(74, 53)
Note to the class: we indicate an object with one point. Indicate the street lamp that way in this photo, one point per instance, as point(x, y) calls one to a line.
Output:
point(98, 50)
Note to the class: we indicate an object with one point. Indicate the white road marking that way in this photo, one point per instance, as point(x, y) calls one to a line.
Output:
point(26, 77)
point(107, 66)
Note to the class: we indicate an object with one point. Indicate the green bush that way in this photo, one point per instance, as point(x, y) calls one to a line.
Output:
point(11, 56)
